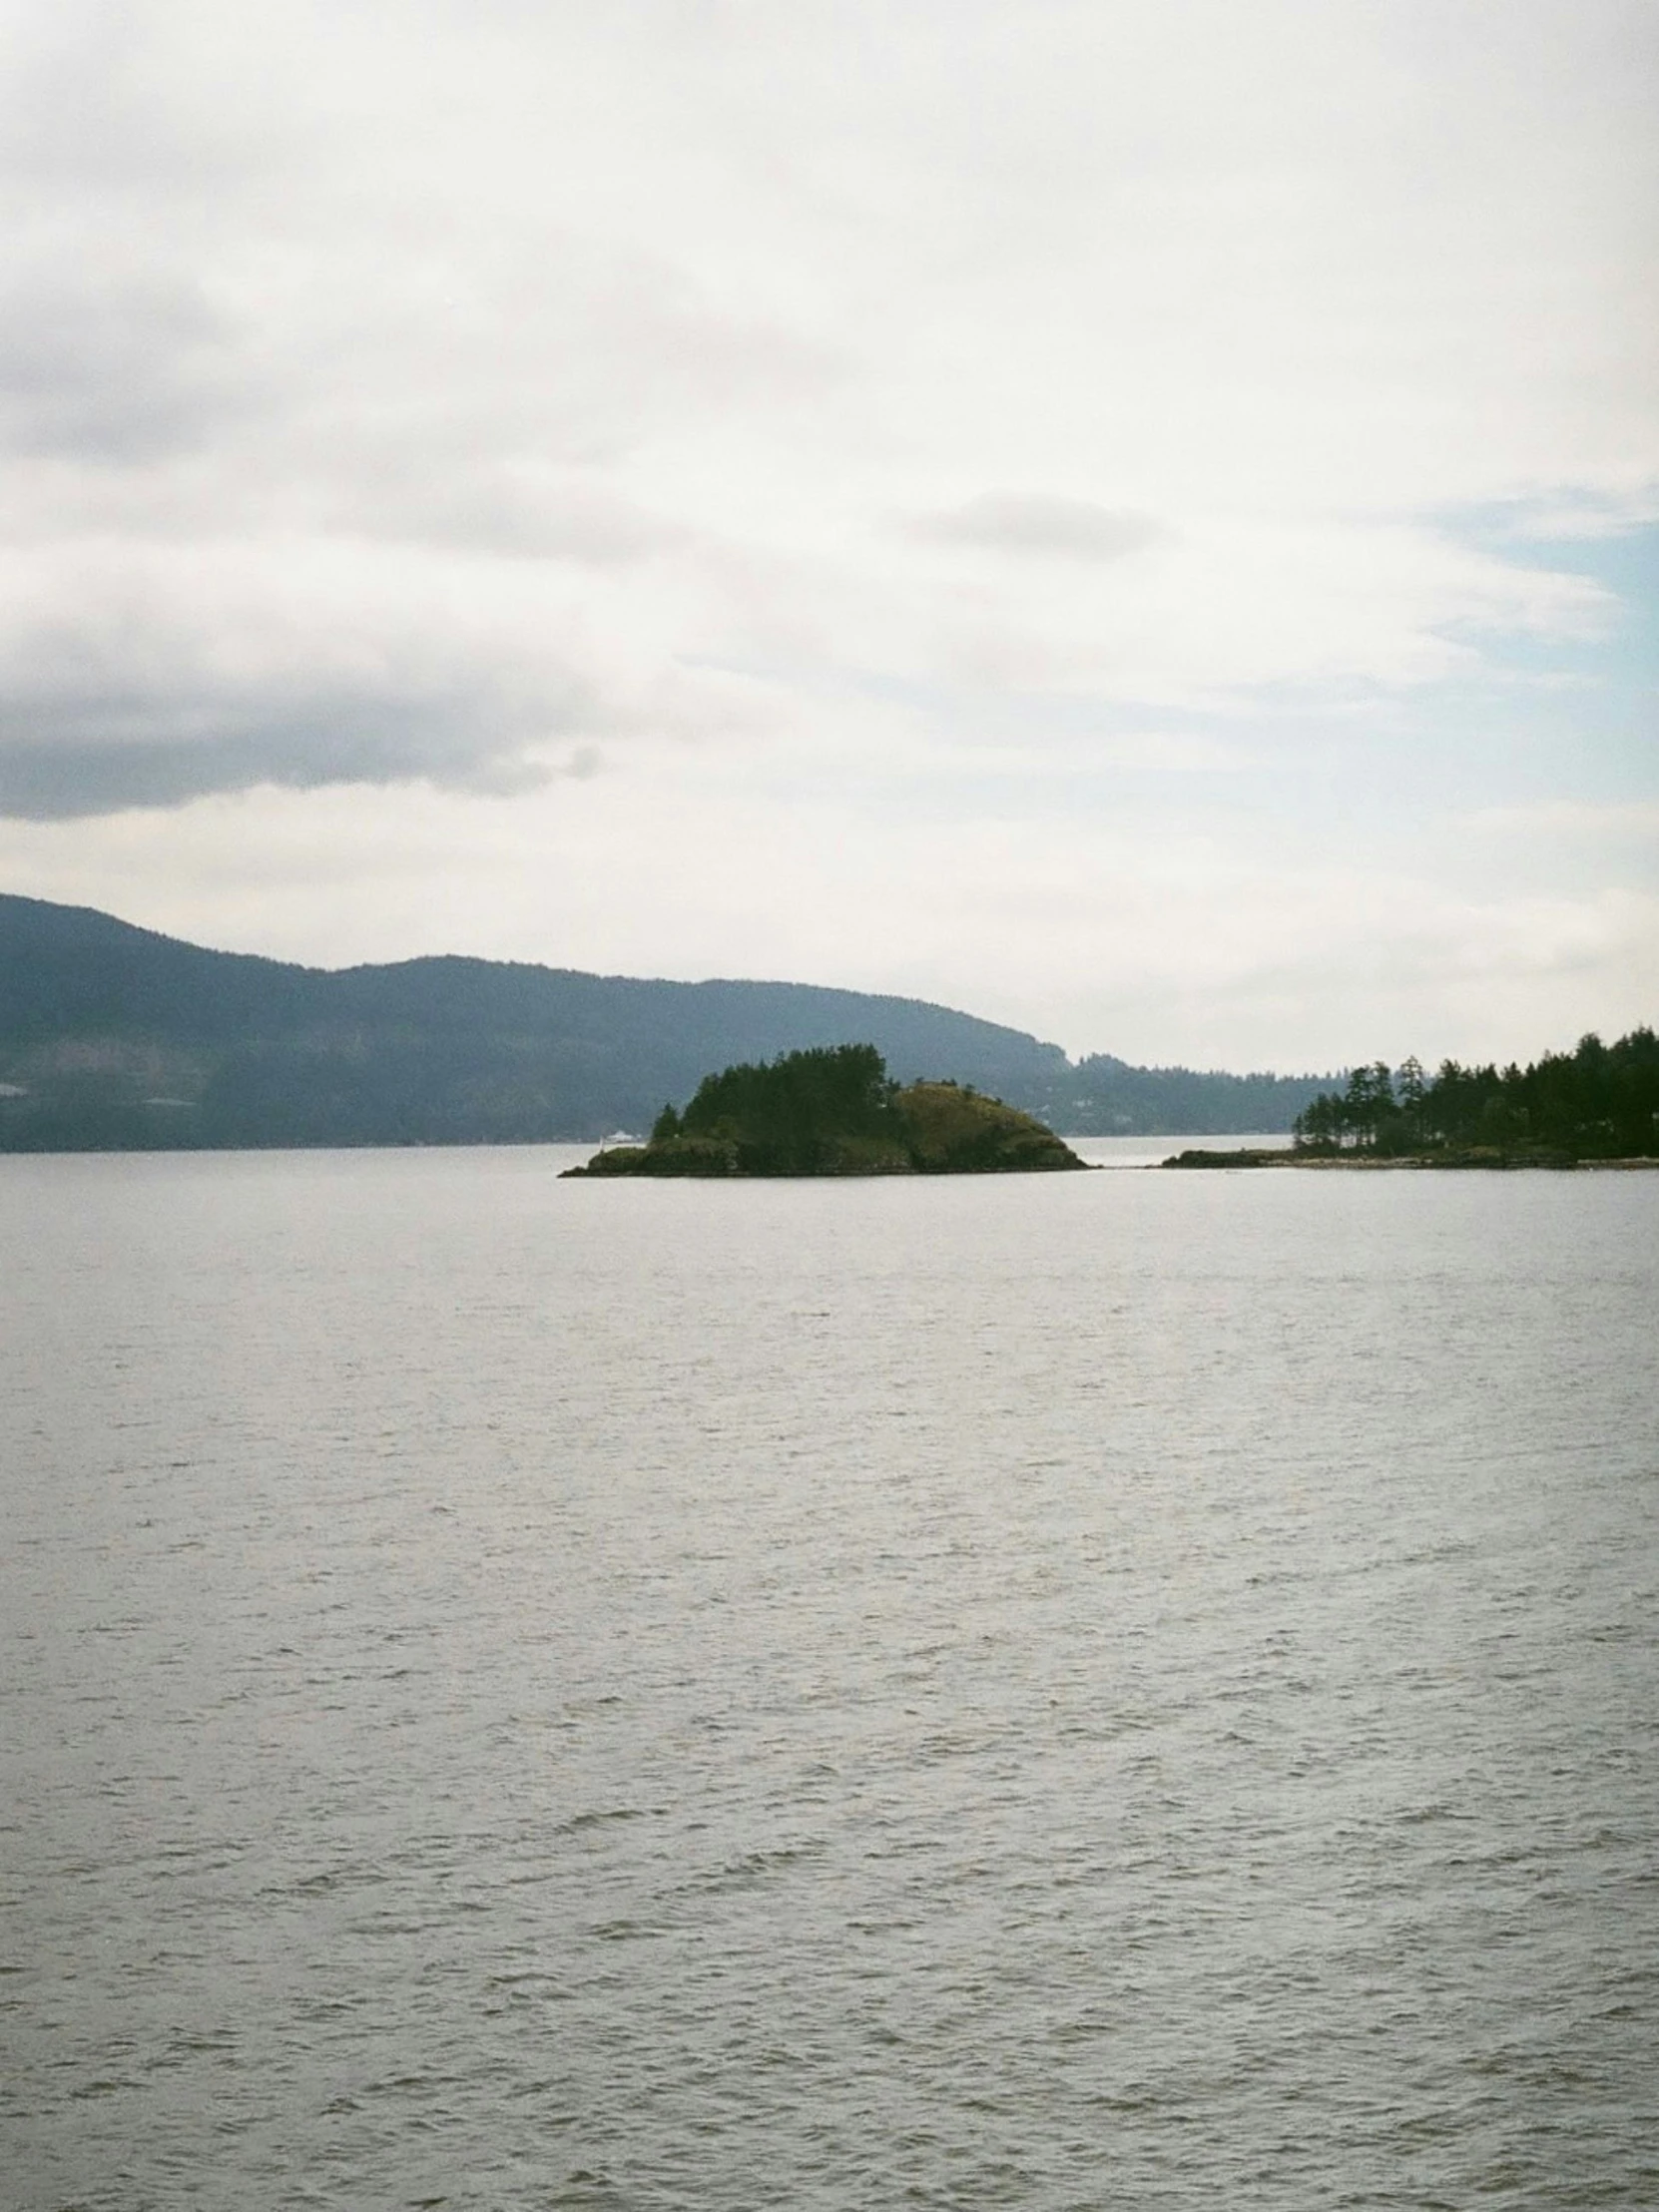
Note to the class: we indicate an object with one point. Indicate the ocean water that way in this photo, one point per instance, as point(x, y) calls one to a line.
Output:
point(1111, 1691)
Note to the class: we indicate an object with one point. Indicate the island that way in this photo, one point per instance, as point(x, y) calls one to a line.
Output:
point(835, 1110)
point(1595, 1107)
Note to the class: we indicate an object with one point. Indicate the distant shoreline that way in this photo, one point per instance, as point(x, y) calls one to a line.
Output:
point(1375, 1163)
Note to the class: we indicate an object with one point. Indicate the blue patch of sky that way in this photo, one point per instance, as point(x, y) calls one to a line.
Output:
point(1530, 718)
point(1601, 692)
point(1378, 761)
point(1567, 726)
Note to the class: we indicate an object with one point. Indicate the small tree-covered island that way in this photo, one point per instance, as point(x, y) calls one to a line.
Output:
point(835, 1110)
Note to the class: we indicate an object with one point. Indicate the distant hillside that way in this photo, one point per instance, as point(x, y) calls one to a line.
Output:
point(113, 1037)
point(1106, 1097)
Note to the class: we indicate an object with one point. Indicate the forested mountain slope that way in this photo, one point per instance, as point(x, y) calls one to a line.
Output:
point(111, 1035)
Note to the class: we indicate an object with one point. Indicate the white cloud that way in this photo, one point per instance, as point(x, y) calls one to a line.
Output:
point(838, 397)
point(1622, 821)
point(1026, 523)
point(1135, 936)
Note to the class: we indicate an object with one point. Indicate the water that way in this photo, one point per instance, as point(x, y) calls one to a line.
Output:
point(1146, 1152)
point(1112, 1691)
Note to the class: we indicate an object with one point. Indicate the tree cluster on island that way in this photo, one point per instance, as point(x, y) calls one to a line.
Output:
point(835, 1110)
point(1601, 1102)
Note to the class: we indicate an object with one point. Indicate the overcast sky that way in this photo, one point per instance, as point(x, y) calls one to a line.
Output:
point(1140, 520)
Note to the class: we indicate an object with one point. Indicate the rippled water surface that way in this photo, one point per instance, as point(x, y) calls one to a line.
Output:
point(1112, 1691)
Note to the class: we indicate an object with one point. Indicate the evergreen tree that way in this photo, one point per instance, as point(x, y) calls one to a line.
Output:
point(1600, 1101)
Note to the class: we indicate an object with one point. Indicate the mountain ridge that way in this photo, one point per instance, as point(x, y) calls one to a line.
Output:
point(113, 1036)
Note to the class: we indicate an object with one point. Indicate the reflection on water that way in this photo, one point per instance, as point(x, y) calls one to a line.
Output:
point(1129, 1690)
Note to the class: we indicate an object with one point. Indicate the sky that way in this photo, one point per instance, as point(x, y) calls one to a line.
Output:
point(1137, 520)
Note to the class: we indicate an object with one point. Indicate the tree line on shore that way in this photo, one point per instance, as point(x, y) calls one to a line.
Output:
point(1600, 1101)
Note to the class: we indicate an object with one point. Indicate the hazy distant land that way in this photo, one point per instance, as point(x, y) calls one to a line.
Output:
point(114, 1037)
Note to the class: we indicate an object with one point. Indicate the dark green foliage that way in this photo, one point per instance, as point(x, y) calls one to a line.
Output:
point(835, 1110)
point(798, 1114)
point(1601, 1102)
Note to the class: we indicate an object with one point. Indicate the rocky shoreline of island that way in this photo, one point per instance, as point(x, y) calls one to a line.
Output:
point(1473, 1158)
